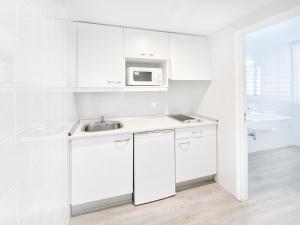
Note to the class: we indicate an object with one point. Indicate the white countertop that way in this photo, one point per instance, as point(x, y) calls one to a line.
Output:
point(140, 124)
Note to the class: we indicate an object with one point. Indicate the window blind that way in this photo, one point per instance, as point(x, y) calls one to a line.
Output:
point(254, 79)
point(269, 74)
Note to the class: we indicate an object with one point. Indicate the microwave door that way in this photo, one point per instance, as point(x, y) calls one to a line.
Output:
point(142, 78)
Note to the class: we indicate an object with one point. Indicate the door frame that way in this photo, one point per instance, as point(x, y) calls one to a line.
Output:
point(241, 93)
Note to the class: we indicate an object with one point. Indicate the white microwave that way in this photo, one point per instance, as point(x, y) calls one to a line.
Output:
point(140, 76)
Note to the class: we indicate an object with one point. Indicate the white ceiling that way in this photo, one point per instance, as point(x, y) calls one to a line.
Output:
point(185, 16)
point(288, 31)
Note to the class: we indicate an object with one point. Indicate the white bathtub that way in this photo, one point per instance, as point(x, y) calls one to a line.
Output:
point(268, 131)
point(266, 121)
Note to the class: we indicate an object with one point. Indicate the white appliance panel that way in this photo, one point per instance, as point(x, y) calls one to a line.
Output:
point(154, 166)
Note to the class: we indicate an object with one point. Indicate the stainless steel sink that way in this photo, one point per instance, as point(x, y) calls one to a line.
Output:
point(101, 126)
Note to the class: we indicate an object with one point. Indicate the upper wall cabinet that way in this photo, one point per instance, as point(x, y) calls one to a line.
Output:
point(189, 57)
point(100, 57)
point(144, 44)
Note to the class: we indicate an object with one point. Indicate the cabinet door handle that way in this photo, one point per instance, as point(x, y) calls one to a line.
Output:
point(197, 132)
point(148, 55)
point(120, 141)
point(120, 144)
point(113, 82)
point(186, 144)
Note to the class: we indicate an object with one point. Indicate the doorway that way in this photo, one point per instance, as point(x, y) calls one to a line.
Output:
point(273, 107)
point(269, 96)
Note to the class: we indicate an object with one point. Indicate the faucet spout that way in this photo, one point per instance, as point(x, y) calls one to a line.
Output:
point(102, 120)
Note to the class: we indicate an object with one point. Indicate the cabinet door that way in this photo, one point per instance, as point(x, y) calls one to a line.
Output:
point(146, 44)
point(101, 168)
point(189, 58)
point(100, 56)
point(195, 158)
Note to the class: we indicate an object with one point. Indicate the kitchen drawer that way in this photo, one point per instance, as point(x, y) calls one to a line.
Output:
point(196, 132)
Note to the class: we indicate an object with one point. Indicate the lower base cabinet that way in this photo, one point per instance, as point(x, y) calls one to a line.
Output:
point(196, 151)
point(101, 168)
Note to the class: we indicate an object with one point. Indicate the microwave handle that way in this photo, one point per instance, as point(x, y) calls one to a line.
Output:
point(148, 55)
point(113, 82)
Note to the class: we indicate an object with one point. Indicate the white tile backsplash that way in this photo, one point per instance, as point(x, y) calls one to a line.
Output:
point(182, 97)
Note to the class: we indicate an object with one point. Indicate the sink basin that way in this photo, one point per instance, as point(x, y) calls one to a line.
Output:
point(101, 126)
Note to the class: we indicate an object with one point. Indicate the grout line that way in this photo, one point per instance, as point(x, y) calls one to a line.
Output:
point(10, 190)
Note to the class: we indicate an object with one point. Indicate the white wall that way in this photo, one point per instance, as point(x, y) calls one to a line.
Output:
point(37, 110)
point(222, 97)
point(182, 97)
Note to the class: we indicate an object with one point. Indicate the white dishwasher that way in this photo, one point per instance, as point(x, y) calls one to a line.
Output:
point(154, 166)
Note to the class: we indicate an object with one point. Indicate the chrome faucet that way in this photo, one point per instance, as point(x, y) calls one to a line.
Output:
point(102, 120)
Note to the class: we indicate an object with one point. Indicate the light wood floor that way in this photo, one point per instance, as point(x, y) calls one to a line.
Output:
point(274, 179)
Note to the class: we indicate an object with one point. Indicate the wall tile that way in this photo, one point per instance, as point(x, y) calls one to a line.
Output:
point(182, 97)
point(38, 112)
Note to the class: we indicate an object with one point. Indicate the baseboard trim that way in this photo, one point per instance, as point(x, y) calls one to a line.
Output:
point(89, 207)
point(195, 183)
point(77, 210)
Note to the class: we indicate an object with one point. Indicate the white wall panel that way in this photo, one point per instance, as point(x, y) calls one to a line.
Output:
point(37, 111)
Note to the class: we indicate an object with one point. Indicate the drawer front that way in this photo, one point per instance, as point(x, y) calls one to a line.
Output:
point(196, 132)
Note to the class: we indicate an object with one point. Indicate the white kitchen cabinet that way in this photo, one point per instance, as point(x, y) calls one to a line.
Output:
point(189, 57)
point(144, 44)
point(196, 153)
point(101, 168)
point(100, 56)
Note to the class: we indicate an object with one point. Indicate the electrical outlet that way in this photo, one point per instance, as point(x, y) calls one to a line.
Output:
point(155, 104)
